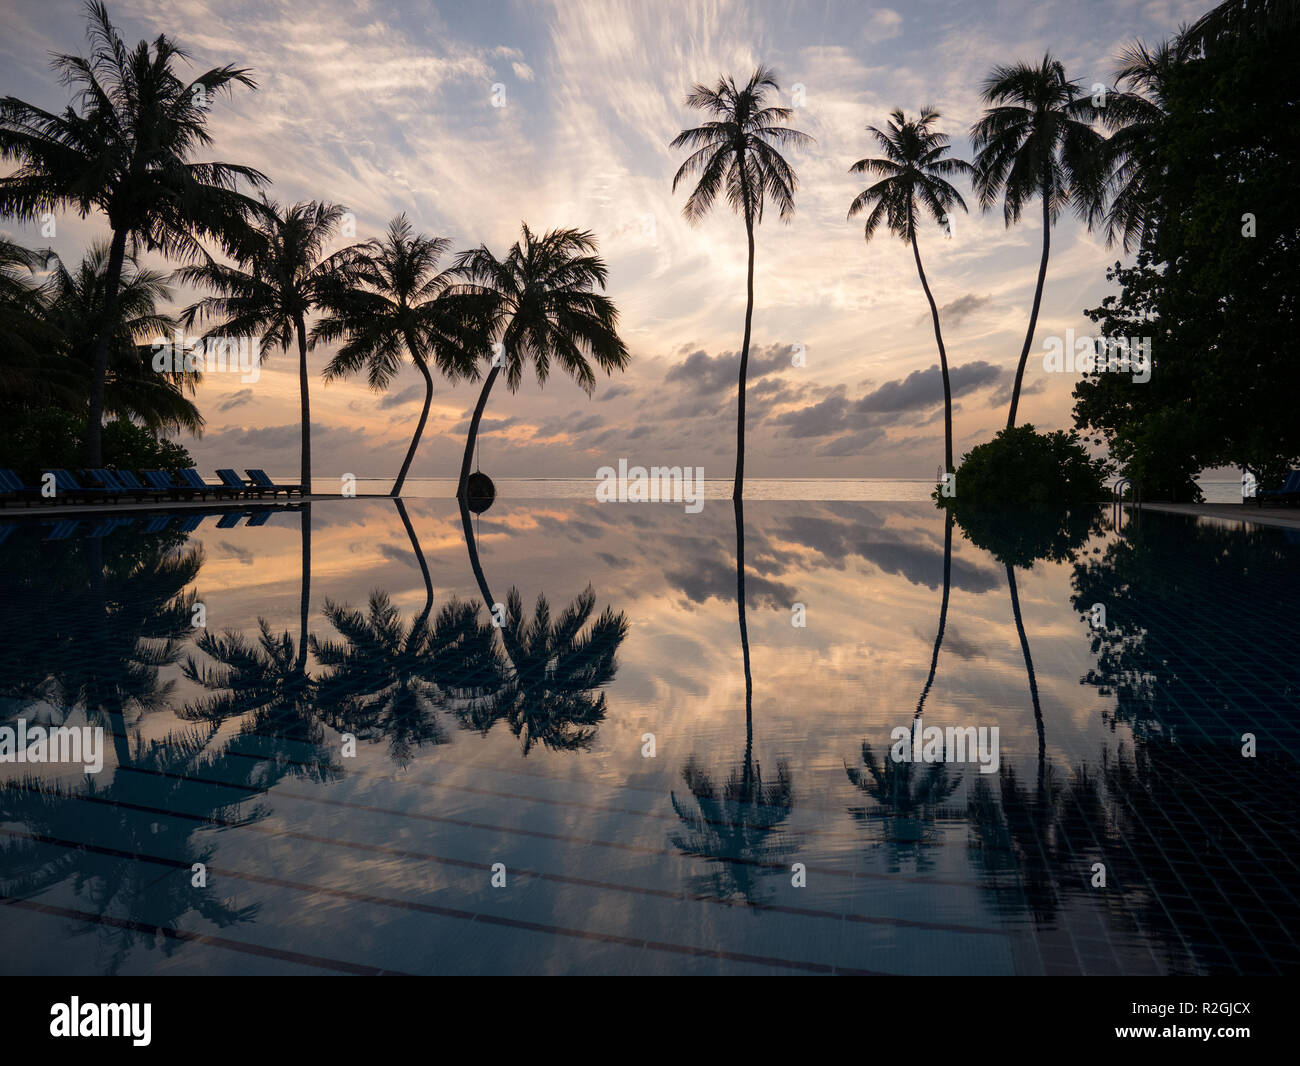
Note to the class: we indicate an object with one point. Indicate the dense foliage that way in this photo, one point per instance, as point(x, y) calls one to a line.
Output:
point(1214, 281)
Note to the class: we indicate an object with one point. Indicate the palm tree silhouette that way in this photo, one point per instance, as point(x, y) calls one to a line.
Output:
point(736, 151)
point(550, 693)
point(25, 334)
point(1035, 140)
point(125, 149)
point(398, 300)
point(282, 277)
point(1128, 154)
point(913, 178)
point(737, 827)
point(539, 304)
point(132, 389)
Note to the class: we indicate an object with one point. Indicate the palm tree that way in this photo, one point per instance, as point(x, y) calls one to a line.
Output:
point(539, 303)
point(913, 171)
point(25, 334)
point(1134, 117)
point(402, 301)
point(736, 150)
point(1036, 140)
point(126, 152)
point(285, 277)
point(132, 388)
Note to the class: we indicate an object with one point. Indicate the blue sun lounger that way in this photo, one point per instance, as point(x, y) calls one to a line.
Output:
point(233, 482)
point(191, 479)
point(67, 486)
point(1288, 493)
point(12, 488)
point(262, 480)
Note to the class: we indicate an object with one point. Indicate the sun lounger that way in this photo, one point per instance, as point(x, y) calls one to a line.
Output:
point(12, 488)
point(262, 480)
point(67, 486)
point(235, 483)
point(1288, 493)
point(191, 479)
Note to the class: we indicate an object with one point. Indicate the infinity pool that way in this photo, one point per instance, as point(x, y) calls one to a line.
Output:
point(346, 766)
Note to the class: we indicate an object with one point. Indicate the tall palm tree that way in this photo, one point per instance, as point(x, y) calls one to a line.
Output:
point(736, 151)
point(281, 278)
point(125, 149)
point(539, 303)
point(402, 302)
point(913, 179)
point(132, 388)
point(1036, 140)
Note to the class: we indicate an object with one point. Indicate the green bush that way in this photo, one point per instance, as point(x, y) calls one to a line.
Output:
point(1022, 467)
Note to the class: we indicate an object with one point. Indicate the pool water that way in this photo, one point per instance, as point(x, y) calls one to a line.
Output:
point(655, 764)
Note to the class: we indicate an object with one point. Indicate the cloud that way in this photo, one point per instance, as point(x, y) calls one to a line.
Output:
point(955, 312)
point(709, 374)
point(236, 399)
point(397, 399)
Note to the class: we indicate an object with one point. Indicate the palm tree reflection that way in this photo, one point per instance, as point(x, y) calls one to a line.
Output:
point(550, 691)
point(737, 827)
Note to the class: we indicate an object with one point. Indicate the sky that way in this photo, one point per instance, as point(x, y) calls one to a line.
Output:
point(472, 117)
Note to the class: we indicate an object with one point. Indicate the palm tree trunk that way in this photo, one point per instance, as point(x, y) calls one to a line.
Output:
point(739, 504)
point(462, 488)
point(424, 417)
point(419, 556)
point(99, 356)
point(943, 360)
point(1033, 315)
point(1029, 670)
point(738, 487)
point(305, 453)
point(943, 611)
point(304, 603)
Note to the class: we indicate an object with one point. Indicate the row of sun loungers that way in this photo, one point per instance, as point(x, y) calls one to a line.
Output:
point(104, 484)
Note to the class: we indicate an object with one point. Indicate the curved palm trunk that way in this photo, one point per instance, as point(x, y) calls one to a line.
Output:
point(1029, 669)
point(419, 556)
point(99, 355)
point(304, 603)
point(1033, 315)
point(943, 611)
point(467, 524)
point(305, 475)
point(739, 505)
point(419, 427)
point(738, 487)
point(943, 361)
point(462, 488)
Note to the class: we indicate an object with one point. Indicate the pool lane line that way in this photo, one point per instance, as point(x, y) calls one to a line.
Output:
point(412, 905)
point(206, 939)
point(681, 896)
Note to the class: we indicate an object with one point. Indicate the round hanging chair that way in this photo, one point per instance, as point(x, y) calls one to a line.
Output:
point(480, 492)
